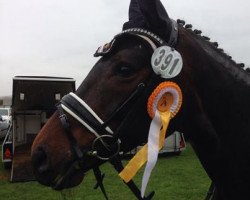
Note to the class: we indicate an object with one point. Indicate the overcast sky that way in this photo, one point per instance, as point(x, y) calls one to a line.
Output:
point(59, 37)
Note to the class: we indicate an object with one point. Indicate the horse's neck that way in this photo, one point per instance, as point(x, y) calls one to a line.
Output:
point(222, 86)
point(220, 128)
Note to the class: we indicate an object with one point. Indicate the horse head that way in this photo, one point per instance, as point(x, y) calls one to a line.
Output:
point(108, 112)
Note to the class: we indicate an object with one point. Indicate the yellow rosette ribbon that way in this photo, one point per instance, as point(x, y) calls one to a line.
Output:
point(163, 104)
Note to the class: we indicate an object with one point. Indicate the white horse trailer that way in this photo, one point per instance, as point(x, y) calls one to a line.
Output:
point(174, 143)
point(33, 102)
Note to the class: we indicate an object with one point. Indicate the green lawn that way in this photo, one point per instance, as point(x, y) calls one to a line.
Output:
point(174, 178)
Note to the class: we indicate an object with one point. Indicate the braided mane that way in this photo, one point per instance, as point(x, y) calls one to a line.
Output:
point(237, 70)
point(213, 45)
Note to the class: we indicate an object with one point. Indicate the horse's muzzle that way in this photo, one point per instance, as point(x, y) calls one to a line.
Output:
point(47, 175)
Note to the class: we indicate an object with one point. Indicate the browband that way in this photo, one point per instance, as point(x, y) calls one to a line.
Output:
point(152, 39)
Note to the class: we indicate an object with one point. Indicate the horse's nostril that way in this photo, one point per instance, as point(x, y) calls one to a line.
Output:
point(40, 160)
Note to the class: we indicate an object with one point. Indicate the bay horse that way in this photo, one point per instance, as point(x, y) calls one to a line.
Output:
point(113, 99)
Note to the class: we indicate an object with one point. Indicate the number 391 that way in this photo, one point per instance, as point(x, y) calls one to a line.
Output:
point(166, 61)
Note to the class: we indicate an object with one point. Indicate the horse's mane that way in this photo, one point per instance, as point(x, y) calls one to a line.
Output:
point(218, 55)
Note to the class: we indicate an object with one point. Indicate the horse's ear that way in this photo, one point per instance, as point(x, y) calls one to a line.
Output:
point(151, 15)
point(136, 19)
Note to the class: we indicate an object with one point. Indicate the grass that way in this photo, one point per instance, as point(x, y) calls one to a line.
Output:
point(174, 178)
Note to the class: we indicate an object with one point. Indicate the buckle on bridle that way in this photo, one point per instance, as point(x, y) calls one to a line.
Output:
point(106, 147)
point(64, 120)
point(63, 117)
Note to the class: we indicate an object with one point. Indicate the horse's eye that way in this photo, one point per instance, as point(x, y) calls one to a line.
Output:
point(125, 71)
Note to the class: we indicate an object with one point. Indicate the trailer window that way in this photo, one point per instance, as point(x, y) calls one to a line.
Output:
point(58, 96)
point(21, 96)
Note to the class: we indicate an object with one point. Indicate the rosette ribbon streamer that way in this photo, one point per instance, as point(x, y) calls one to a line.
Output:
point(163, 104)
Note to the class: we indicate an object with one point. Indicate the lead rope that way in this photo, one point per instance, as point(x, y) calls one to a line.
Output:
point(99, 181)
point(117, 164)
point(211, 192)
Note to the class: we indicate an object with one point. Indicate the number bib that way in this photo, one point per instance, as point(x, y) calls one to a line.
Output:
point(167, 62)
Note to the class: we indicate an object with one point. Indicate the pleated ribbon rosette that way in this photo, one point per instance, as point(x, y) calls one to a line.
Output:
point(163, 104)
